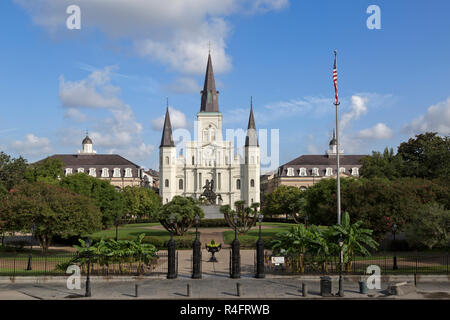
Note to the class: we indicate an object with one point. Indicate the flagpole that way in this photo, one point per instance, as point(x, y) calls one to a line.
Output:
point(338, 191)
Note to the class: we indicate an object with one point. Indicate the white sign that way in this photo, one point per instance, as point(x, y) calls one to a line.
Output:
point(277, 260)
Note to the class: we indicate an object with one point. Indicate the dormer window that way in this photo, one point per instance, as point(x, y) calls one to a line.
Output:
point(302, 172)
point(290, 172)
point(355, 171)
point(315, 172)
point(92, 172)
point(105, 173)
point(128, 173)
point(68, 171)
point(329, 172)
point(116, 173)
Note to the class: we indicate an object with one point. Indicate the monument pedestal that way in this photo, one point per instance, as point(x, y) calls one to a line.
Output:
point(212, 212)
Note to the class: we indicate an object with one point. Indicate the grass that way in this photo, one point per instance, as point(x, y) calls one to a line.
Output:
point(130, 231)
point(249, 239)
point(157, 237)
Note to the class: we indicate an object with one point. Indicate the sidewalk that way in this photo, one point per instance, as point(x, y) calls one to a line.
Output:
point(211, 288)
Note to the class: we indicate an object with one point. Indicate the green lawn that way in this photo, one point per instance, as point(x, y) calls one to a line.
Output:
point(249, 239)
point(158, 237)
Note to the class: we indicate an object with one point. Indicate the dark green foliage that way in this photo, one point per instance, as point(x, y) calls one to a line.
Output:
point(12, 171)
point(426, 156)
point(47, 170)
point(140, 202)
point(54, 211)
point(107, 198)
point(386, 165)
point(377, 202)
point(184, 210)
point(286, 200)
point(429, 227)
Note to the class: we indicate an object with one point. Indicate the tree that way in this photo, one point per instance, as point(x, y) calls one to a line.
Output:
point(246, 216)
point(184, 210)
point(140, 201)
point(426, 156)
point(381, 165)
point(321, 201)
point(430, 227)
point(356, 240)
point(12, 171)
point(107, 198)
point(55, 212)
point(49, 170)
point(287, 200)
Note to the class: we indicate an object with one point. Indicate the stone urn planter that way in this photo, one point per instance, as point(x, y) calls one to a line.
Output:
point(212, 248)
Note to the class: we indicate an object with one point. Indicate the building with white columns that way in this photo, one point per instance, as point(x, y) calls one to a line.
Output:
point(209, 158)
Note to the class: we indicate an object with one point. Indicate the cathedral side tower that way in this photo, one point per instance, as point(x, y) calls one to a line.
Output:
point(251, 167)
point(167, 162)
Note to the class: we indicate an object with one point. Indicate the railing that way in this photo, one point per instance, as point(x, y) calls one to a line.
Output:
point(16, 264)
point(405, 264)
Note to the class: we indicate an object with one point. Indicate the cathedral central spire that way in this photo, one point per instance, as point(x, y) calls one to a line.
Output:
point(210, 101)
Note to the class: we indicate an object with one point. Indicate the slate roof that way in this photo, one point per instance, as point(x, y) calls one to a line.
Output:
point(322, 162)
point(166, 138)
point(252, 138)
point(106, 160)
point(209, 86)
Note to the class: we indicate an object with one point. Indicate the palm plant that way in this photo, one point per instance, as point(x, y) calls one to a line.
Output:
point(320, 247)
point(295, 243)
point(356, 240)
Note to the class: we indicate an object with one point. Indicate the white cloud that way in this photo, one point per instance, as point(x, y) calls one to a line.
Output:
point(96, 91)
point(436, 119)
point(379, 131)
point(119, 131)
point(174, 32)
point(183, 85)
point(32, 145)
point(177, 120)
point(314, 105)
point(75, 115)
point(358, 107)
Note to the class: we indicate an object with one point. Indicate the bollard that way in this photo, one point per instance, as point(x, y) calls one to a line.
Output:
point(136, 290)
point(362, 287)
point(188, 293)
point(304, 289)
point(238, 289)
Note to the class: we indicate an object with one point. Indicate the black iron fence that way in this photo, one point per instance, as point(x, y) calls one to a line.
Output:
point(18, 264)
point(389, 264)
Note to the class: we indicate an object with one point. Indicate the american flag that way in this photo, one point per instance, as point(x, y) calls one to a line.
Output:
point(335, 78)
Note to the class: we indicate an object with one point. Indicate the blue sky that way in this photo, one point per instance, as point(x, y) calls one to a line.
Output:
point(113, 75)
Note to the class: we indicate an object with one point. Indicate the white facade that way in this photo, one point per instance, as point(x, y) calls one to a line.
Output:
point(209, 158)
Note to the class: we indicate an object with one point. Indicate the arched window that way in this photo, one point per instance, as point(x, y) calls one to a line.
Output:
point(167, 160)
point(166, 183)
point(238, 184)
point(252, 183)
point(180, 184)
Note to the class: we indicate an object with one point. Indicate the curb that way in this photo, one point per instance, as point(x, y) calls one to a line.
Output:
point(106, 279)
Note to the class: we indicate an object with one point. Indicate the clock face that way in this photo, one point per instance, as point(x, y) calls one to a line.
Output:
point(208, 152)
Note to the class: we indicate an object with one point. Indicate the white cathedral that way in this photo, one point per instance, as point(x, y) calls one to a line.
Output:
point(210, 158)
